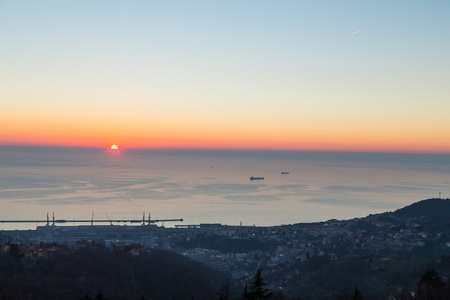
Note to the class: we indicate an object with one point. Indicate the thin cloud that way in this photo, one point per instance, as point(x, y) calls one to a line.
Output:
point(349, 202)
point(356, 32)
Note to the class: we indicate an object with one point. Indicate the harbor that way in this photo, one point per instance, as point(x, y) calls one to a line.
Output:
point(112, 230)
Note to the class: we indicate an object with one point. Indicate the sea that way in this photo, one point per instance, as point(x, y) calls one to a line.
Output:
point(211, 186)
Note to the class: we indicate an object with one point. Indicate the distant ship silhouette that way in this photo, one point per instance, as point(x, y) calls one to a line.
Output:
point(256, 178)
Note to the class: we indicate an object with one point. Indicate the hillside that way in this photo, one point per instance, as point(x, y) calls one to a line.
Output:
point(115, 274)
point(435, 207)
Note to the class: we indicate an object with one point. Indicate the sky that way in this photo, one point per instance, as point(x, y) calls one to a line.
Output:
point(283, 75)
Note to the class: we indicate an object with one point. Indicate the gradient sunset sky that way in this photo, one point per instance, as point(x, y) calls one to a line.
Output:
point(297, 75)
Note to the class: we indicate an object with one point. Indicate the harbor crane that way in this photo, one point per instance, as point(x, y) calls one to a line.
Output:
point(92, 221)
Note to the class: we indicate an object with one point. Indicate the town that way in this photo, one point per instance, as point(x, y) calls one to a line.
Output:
point(242, 250)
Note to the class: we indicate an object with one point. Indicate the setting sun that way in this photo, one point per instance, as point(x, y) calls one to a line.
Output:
point(114, 147)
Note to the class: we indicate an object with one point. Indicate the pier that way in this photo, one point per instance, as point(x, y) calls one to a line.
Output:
point(54, 221)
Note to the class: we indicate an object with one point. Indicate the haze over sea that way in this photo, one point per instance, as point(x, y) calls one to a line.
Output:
point(212, 186)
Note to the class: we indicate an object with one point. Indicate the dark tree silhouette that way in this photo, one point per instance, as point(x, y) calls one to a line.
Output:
point(100, 296)
point(431, 278)
point(245, 294)
point(431, 285)
point(224, 291)
point(257, 288)
point(14, 251)
point(357, 295)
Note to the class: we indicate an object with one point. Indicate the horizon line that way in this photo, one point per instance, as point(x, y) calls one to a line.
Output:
point(107, 147)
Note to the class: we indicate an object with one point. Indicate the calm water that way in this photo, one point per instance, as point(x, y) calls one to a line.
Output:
point(212, 186)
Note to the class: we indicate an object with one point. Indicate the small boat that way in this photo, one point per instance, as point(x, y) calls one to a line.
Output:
point(284, 173)
point(256, 178)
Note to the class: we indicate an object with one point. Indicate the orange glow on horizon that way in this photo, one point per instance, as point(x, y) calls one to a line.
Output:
point(300, 137)
point(212, 144)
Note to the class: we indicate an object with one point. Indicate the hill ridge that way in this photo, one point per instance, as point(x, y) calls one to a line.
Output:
point(433, 207)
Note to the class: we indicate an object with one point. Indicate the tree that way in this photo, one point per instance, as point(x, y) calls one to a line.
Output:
point(431, 278)
point(257, 288)
point(430, 285)
point(357, 295)
point(14, 251)
point(100, 296)
point(224, 291)
point(245, 295)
